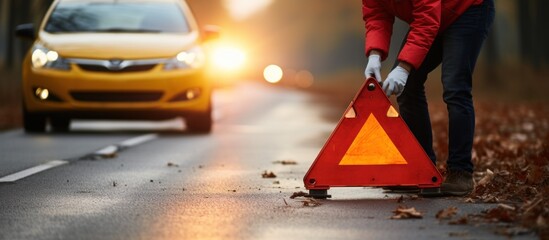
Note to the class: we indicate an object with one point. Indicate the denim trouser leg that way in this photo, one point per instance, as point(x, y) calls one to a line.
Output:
point(457, 48)
point(462, 42)
point(413, 103)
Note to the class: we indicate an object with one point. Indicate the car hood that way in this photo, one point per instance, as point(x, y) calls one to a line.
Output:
point(118, 45)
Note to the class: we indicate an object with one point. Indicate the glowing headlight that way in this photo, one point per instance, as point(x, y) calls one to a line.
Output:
point(192, 58)
point(44, 58)
point(39, 58)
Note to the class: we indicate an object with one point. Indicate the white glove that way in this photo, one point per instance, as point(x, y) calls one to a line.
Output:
point(395, 82)
point(373, 69)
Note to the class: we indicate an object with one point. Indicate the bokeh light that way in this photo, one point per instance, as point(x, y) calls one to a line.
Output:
point(304, 79)
point(228, 58)
point(273, 73)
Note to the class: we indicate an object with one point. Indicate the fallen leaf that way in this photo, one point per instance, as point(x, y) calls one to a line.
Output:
point(460, 221)
point(310, 202)
point(413, 197)
point(170, 164)
point(501, 214)
point(447, 213)
point(469, 200)
point(299, 194)
point(285, 162)
point(276, 182)
point(489, 175)
point(406, 213)
point(400, 199)
point(268, 175)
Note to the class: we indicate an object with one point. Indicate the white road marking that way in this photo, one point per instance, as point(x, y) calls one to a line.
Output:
point(138, 140)
point(110, 150)
point(107, 151)
point(33, 170)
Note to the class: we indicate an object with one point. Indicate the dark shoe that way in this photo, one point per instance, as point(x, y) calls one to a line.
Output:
point(458, 183)
point(401, 189)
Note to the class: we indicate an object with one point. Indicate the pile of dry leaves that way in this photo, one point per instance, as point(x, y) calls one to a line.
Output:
point(511, 157)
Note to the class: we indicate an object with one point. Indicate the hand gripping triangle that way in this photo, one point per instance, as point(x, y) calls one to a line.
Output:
point(371, 147)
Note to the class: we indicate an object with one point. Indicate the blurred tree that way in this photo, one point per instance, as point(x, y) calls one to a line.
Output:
point(534, 36)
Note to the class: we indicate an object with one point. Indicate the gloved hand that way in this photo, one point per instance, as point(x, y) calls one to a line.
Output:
point(373, 69)
point(395, 82)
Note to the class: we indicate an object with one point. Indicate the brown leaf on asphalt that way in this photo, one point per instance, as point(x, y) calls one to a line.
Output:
point(501, 214)
point(400, 199)
point(406, 213)
point(447, 213)
point(310, 202)
point(460, 221)
point(276, 182)
point(285, 162)
point(413, 197)
point(469, 200)
point(170, 164)
point(489, 175)
point(299, 194)
point(266, 174)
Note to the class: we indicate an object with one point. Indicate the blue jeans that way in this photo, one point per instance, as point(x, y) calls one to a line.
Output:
point(457, 48)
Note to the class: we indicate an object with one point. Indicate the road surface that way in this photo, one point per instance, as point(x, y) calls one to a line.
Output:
point(152, 180)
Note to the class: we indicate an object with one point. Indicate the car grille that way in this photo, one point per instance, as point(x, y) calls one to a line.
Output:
point(99, 68)
point(142, 96)
point(117, 65)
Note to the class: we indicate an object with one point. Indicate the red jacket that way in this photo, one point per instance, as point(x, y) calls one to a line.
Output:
point(426, 18)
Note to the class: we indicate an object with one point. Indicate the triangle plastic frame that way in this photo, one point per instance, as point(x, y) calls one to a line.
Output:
point(326, 171)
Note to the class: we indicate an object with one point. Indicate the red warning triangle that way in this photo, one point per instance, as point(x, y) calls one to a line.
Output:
point(371, 146)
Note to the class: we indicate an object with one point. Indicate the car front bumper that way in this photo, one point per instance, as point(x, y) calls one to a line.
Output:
point(152, 94)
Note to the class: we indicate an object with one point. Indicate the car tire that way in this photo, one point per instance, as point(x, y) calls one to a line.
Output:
point(60, 124)
point(33, 123)
point(200, 123)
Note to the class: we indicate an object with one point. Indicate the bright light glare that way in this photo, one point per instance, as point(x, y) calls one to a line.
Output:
point(186, 57)
point(242, 9)
point(39, 58)
point(42, 93)
point(273, 73)
point(228, 58)
point(52, 56)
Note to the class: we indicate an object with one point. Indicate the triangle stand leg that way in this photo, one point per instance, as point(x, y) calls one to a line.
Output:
point(319, 193)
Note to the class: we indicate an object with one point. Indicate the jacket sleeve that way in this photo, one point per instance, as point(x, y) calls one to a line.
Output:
point(423, 30)
point(379, 27)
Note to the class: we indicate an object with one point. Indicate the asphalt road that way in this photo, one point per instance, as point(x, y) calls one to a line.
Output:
point(167, 184)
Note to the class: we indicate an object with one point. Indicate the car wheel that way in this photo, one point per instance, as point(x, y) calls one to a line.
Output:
point(200, 123)
point(33, 123)
point(60, 124)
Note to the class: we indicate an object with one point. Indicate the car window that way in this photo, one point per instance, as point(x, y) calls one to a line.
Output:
point(68, 17)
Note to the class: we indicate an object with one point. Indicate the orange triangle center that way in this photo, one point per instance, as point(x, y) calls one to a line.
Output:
point(372, 146)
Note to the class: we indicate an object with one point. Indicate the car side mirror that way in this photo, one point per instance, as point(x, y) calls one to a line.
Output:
point(25, 31)
point(211, 32)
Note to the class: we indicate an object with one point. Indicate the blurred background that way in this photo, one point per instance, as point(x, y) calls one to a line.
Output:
point(317, 46)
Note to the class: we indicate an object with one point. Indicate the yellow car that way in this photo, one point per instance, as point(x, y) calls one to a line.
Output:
point(116, 59)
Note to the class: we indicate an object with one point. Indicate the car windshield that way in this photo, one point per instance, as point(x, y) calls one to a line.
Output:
point(69, 17)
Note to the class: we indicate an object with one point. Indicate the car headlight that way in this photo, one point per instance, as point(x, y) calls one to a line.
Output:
point(192, 58)
point(44, 58)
